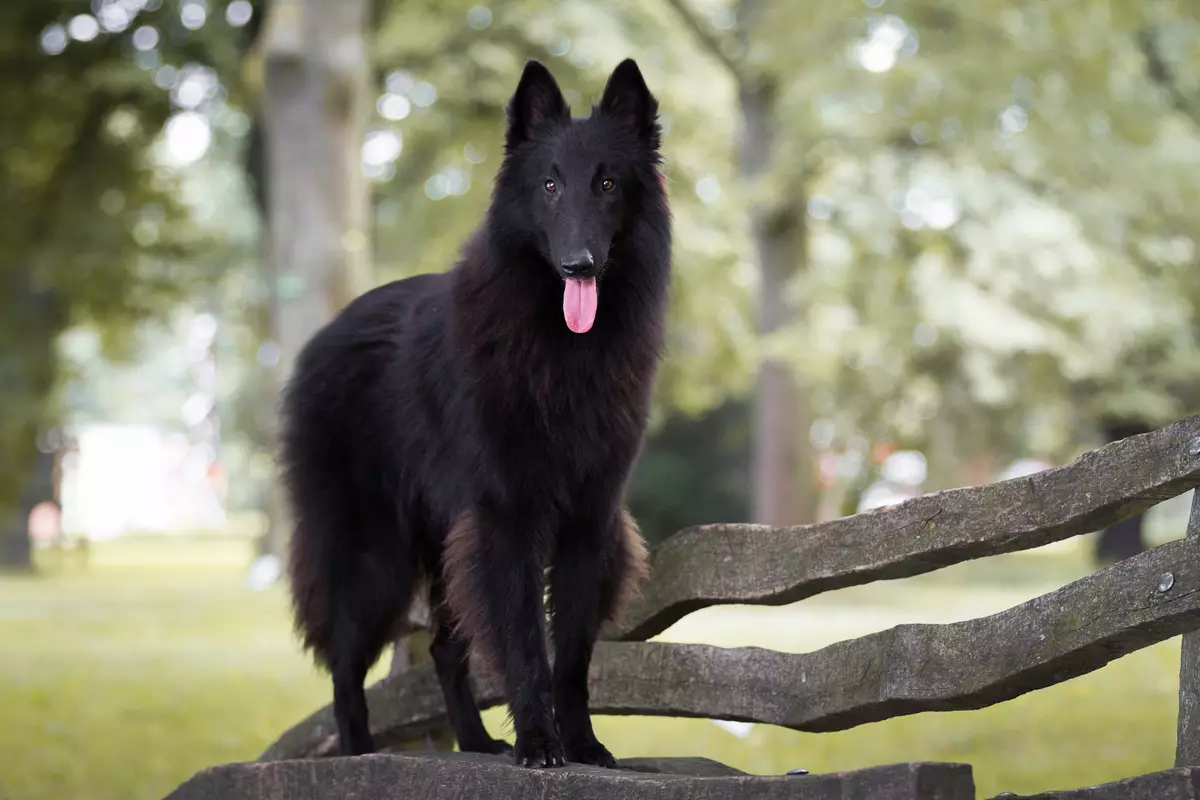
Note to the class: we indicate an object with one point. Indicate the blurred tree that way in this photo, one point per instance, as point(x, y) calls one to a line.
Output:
point(316, 96)
point(960, 228)
point(913, 153)
point(92, 232)
point(979, 207)
point(694, 471)
point(783, 475)
point(1123, 540)
point(99, 230)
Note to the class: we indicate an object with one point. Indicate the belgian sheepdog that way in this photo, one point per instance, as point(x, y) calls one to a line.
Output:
point(471, 432)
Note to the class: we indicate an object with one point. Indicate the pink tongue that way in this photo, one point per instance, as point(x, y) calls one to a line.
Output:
point(579, 304)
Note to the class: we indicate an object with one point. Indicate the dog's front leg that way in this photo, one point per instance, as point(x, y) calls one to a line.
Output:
point(598, 563)
point(495, 583)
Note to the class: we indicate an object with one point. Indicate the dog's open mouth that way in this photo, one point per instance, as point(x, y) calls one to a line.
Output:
point(579, 304)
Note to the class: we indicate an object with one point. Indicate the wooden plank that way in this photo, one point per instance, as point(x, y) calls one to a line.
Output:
point(471, 777)
point(1187, 739)
point(1172, 784)
point(905, 670)
point(716, 564)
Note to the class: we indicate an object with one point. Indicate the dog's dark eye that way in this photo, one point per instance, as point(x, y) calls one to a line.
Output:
point(551, 187)
point(607, 185)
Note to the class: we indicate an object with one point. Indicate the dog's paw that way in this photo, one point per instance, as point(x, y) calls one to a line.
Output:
point(537, 749)
point(591, 752)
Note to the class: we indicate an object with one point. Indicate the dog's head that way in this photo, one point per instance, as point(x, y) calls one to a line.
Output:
point(574, 183)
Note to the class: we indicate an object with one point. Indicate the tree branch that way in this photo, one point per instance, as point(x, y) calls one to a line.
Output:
point(717, 45)
point(1160, 73)
point(58, 187)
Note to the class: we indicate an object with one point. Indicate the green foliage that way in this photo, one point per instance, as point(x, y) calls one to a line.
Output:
point(1050, 283)
point(991, 265)
point(1052, 290)
point(95, 231)
point(693, 472)
point(998, 245)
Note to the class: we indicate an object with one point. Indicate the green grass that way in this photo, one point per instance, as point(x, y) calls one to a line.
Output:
point(120, 679)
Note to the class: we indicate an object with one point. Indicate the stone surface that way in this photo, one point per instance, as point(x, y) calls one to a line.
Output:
point(472, 777)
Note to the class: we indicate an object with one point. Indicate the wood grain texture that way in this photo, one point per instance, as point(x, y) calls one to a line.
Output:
point(905, 670)
point(472, 777)
point(1187, 736)
point(719, 564)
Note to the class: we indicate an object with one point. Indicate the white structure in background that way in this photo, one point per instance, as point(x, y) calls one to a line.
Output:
point(264, 571)
point(738, 729)
point(138, 479)
point(903, 473)
point(1024, 467)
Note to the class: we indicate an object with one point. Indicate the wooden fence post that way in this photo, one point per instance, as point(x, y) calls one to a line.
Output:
point(1187, 743)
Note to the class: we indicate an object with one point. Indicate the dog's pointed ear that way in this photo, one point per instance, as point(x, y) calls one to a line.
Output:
point(537, 102)
point(627, 100)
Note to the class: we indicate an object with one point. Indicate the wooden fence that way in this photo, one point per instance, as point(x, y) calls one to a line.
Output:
point(906, 670)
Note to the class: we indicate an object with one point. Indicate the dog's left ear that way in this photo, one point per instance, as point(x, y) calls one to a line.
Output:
point(627, 100)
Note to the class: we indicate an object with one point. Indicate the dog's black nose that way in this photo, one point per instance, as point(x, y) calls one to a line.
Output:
point(578, 263)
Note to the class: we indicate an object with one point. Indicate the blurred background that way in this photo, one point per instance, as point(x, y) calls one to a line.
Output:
point(918, 244)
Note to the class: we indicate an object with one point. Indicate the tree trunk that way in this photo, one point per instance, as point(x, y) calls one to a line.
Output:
point(1121, 541)
point(16, 549)
point(316, 100)
point(410, 649)
point(783, 473)
point(783, 468)
point(32, 316)
point(15, 474)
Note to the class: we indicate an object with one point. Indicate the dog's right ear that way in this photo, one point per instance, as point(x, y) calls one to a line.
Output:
point(536, 103)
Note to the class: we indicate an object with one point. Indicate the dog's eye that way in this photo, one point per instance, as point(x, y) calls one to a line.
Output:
point(551, 187)
point(607, 185)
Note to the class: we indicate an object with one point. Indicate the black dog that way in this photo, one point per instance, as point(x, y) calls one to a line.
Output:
point(471, 428)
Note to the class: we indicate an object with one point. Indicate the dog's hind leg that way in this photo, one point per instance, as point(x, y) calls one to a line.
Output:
point(595, 571)
point(349, 666)
point(449, 651)
point(372, 594)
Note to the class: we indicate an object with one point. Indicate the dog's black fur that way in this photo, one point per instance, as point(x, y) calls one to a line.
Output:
point(450, 430)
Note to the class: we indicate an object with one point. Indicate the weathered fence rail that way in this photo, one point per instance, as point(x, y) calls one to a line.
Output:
point(905, 670)
point(760, 565)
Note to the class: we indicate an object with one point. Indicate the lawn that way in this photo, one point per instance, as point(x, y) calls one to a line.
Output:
point(121, 679)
